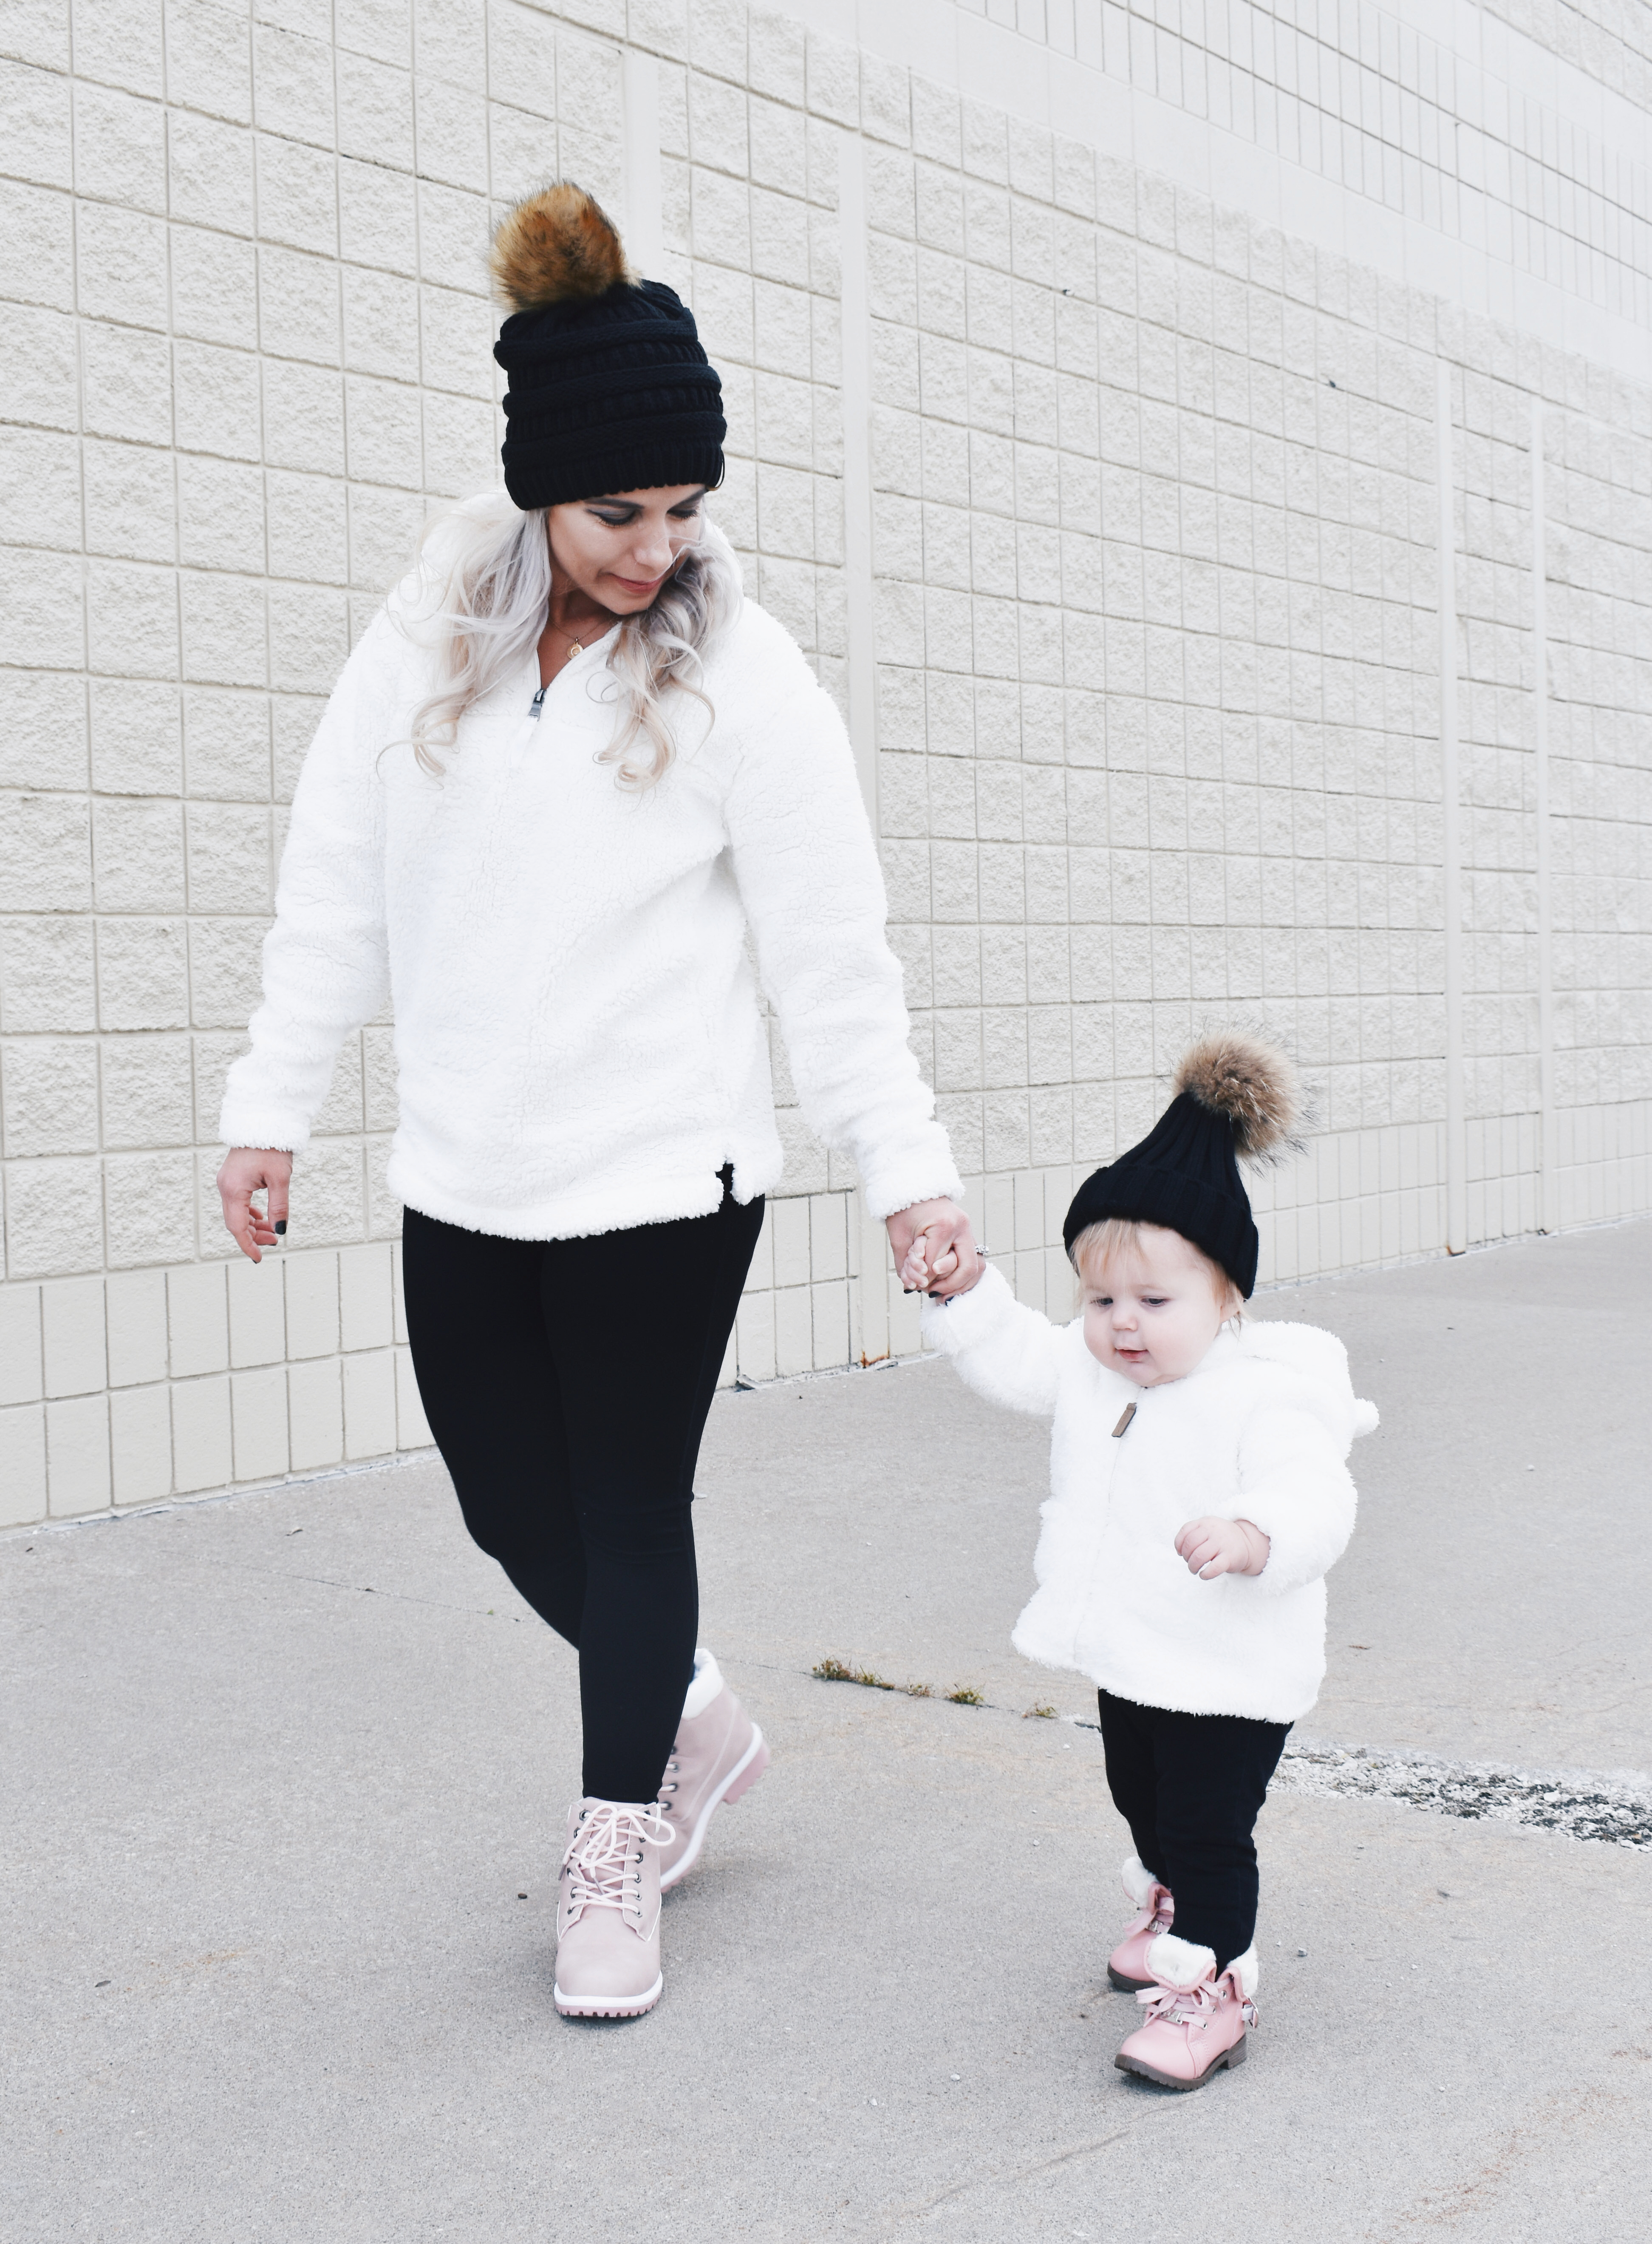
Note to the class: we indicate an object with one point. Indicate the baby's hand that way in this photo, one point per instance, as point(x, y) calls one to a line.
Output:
point(936, 1248)
point(1222, 1547)
point(918, 1274)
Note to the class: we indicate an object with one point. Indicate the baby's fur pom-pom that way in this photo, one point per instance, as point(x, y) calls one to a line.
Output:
point(557, 246)
point(1253, 1084)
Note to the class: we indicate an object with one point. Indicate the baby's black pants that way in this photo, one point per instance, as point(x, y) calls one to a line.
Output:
point(1191, 1787)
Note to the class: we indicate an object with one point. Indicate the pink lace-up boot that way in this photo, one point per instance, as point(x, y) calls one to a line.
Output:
point(608, 1911)
point(1196, 2017)
point(1126, 1966)
point(719, 1754)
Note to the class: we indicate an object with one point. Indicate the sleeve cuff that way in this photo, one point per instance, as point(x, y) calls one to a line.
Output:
point(267, 1131)
point(1299, 1550)
point(1276, 1577)
point(964, 1318)
point(887, 1186)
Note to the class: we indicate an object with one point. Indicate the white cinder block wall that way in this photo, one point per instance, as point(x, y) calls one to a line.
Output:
point(1207, 447)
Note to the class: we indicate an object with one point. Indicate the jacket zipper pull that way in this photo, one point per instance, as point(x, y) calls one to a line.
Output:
point(1123, 1425)
point(524, 733)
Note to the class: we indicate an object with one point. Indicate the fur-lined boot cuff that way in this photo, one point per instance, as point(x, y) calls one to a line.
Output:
point(1243, 1968)
point(1177, 1963)
point(1139, 1881)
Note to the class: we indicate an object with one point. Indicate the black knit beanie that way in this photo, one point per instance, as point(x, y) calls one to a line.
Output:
point(610, 388)
point(1236, 1098)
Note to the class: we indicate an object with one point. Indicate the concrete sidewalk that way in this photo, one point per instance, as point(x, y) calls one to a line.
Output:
point(279, 1769)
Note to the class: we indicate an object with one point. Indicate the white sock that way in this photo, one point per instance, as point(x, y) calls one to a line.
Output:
point(708, 1681)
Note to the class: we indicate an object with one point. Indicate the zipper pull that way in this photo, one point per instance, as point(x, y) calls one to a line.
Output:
point(535, 705)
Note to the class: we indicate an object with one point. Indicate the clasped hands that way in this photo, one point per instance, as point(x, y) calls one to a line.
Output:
point(934, 1248)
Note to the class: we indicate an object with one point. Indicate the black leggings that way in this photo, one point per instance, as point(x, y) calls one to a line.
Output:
point(1191, 1787)
point(566, 1382)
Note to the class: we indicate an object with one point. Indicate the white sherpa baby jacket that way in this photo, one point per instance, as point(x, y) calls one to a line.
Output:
point(1259, 1431)
point(578, 1040)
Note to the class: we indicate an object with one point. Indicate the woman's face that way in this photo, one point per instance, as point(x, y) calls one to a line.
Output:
point(620, 549)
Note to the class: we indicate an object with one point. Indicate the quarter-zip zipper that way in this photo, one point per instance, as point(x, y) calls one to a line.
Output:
point(524, 732)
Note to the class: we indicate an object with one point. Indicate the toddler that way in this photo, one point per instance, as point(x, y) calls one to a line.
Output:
point(1198, 1494)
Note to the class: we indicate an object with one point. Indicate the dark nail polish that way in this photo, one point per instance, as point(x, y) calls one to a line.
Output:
point(280, 1225)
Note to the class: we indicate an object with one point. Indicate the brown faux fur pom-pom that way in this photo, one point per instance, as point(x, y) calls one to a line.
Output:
point(558, 245)
point(1253, 1084)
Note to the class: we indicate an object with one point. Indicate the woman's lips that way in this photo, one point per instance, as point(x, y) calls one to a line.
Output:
point(643, 584)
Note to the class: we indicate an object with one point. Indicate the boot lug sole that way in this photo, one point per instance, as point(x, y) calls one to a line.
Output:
point(739, 1780)
point(1229, 2057)
point(608, 2006)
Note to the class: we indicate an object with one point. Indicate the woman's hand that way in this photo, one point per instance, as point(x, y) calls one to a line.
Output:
point(934, 1248)
point(1223, 1546)
point(246, 1171)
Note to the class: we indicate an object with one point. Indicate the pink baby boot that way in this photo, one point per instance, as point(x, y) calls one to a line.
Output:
point(1126, 1966)
point(719, 1754)
point(608, 1911)
point(1196, 2017)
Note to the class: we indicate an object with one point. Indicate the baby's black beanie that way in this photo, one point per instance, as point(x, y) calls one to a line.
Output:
point(1236, 1097)
point(1185, 1176)
point(610, 388)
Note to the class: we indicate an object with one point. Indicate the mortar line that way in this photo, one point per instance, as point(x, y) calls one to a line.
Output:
point(1548, 1213)
point(1450, 829)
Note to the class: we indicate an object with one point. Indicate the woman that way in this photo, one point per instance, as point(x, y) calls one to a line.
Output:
point(566, 775)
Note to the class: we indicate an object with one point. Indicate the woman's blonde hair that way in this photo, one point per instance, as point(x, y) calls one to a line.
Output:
point(483, 591)
point(1098, 1243)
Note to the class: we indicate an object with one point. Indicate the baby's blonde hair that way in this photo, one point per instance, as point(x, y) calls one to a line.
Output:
point(1098, 1243)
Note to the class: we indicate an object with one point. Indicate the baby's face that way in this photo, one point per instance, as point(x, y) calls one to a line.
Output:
point(1153, 1314)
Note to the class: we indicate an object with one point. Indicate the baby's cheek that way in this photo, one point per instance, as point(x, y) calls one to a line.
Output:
point(1093, 1341)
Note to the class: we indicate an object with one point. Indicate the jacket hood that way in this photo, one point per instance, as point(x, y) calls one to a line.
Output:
point(1319, 1358)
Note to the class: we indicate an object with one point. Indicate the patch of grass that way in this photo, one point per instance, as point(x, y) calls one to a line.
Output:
point(839, 1670)
point(1042, 1713)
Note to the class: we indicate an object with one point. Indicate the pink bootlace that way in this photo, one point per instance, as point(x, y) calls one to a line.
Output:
point(603, 1853)
point(1191, 2006)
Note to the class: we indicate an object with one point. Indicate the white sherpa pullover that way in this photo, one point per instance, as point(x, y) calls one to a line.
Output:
point(578, 1041)
point(1259, 1431)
